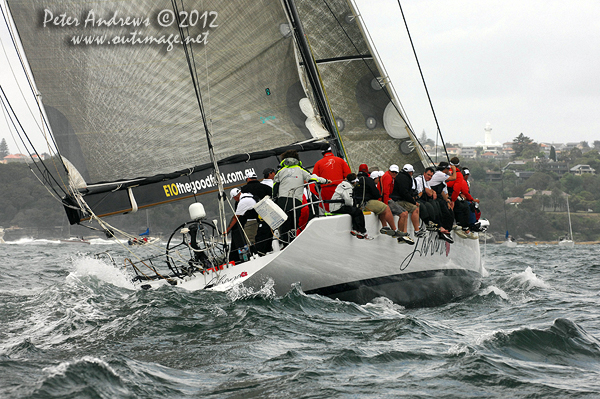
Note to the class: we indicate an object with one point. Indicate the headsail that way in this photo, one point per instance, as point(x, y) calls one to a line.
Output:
point(357, 90)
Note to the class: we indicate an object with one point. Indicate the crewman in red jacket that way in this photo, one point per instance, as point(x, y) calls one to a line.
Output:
point(331, 168)
point(459, 198)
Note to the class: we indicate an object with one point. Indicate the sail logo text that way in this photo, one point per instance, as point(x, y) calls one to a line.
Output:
point(177, 189)
point(92, 19)
point(135, 38)
point(268, 118)
point(164, 18)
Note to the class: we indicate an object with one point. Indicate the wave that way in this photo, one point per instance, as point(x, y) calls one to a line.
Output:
point(562, 343)
point(493, 291)
point(527, 280)
point(30, 240)
point(88, 266)
point(86, 377)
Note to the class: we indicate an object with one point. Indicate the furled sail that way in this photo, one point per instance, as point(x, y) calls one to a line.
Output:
point(118, 91)
point(371, 128)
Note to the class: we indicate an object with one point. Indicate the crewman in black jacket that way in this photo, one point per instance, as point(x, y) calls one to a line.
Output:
point(405, 194)
point(368, 196)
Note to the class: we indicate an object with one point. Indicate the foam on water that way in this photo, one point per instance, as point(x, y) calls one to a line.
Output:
point(384, 307)
point(528, 280)
point(495, 290)
point(239, 291)
point(30, 240)
point(87, 266)
point(484, 272)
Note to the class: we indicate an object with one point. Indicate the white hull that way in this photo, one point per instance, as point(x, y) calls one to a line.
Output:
point(510, 244)
point(327, 260)
point(566, 243)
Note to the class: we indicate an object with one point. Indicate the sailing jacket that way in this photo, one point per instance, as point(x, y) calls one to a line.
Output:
point(365, 190)
point(460, 186)
point(343, 191)
point(387, 186)
point(258, 190)
point(332, 168)
point(404, 188)
point(289, 181)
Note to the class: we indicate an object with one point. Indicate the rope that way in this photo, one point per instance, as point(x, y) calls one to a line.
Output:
point(424, 83)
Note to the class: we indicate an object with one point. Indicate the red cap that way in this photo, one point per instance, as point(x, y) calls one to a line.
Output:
point(363, 168)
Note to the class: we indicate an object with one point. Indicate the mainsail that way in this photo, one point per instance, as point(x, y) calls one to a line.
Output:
point(118, 92)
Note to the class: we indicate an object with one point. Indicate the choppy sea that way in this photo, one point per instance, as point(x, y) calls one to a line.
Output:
point(73, 327)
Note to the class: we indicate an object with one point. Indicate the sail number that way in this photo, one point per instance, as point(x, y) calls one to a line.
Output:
point(185, 19)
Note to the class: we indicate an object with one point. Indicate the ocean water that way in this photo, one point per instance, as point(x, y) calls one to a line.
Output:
point(73, 327)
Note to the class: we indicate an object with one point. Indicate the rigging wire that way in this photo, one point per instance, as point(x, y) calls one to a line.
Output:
point(364, 60)
point(504, 204)
point(424, 83)
point(194, 76)
point(32, 88)
point(48, 177)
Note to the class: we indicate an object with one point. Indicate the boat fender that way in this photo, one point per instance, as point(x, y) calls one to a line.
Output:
point(197, 211)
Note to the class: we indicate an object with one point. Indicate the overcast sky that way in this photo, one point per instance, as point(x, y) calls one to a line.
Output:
point(529, 67)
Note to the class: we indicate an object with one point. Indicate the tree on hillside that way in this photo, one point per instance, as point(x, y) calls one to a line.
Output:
point(426, 141)
point(572, 155)
point(597, 144)
point(571, 184)
point(521, 143)
point(4, 149)
point(558, 200)
point(553, 153)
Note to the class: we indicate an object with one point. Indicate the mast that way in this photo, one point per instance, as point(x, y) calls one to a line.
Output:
point(569, 215)
point(313, 75)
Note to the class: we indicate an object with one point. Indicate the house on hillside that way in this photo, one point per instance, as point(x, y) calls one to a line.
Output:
point(582, 170)
point(13, 158)
point(514, 201)
point(515, 165)
point(560, 168)
point(524, 174)
point(468, 152)
point(492, 175)
point(529, 194)
point(489, 155)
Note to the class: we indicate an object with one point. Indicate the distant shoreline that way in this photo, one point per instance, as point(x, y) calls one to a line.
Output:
point(549, 242)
